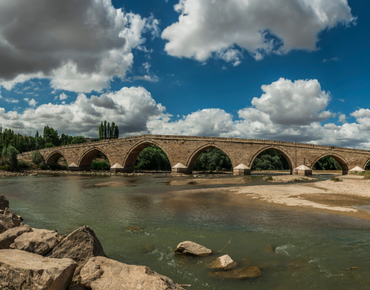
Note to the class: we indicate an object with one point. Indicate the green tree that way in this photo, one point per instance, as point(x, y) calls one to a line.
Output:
point(36, 157)
point(327, 163)
point(152, 158)
point(270, 159)
point(9, 156)
point(212, 159)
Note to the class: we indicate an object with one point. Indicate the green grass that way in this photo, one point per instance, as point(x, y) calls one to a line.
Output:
point(336, 179)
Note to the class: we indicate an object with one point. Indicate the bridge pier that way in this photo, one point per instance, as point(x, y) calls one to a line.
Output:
point(242, 169)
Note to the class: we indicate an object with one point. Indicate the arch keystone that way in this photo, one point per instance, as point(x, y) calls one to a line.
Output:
point(358, 169)
point(303, 170)
point(242, 169)
point(179, 168)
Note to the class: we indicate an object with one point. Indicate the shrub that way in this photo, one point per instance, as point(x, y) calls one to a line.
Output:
point(10, 156)
point(336, 179)
point(6, 168)
point(23, 164)
point(36, 157)
point(268, 178)
point(100, 165)
point(48, 145)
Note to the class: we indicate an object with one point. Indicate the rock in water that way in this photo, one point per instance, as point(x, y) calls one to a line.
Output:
point(23, 270)
point(8, 220)
point(241, 273)
point(37, 241)
point(100, 272)
point(4, 203)
point(8, 237)
point(223, 263)
point(192, 248)
point(80, 246)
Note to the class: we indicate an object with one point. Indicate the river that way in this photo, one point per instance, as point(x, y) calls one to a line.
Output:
point(313, 250)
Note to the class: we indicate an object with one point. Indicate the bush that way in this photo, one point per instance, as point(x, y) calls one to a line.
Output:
point(23, 164)
point(268, 178)
point(36, 157)
point(10, 156)
point(6, 168)
point(336, 179)
point(100, 165)
point(48, 145)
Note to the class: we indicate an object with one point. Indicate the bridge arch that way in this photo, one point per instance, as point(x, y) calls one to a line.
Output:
point(88, 156)
point(53, 157)
point(278, 149)
point(342, 162)
point(131, 156)
point(194, 156)
point(365, 164)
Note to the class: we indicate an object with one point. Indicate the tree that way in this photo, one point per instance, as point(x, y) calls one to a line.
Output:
point(152, 158)
point(108, 131)
point(9, 156)
point(212, 159)
point(36, 157)
point(327, 163)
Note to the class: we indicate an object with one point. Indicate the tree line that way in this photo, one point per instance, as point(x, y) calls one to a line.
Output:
point(107, 131)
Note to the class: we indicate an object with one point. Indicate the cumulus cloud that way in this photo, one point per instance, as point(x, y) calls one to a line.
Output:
point(300, 102)
point(31, 102)
point(286, 110)
point(224, 28)
point(130, 108)
point(79, 45)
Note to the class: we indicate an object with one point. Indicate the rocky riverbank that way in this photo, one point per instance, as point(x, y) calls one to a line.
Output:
point(42, 259)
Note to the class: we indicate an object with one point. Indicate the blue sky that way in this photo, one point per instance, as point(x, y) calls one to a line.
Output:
point(281, 70)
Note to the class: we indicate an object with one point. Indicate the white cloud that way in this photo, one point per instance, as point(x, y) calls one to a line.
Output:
point(130, 108)
point(136, 112)
point(94, 43)
point(295, 103)
point(342, 118)
point(31, 102)
point(207, 27)
point(10, 100)
point(63, 96)
point(149, 76)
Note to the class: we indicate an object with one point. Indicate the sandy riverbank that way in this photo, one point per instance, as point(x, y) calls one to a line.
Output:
point(339, 198)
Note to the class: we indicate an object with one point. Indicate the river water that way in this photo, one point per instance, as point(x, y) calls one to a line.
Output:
point(312, 250)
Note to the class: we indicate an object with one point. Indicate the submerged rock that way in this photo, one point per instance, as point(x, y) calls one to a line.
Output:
point(8, 237)
point(223, 263)
point(37, 241)
point(100, 272)
point(191, 248)
point(80, 246)
point(4, 203)
point(241, 273)
point(23, 270)
point(8, 220)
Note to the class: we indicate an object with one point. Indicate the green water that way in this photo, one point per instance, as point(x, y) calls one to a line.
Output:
point(313, 250)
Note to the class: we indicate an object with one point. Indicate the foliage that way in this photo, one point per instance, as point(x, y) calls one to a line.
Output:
point(100, 165)
point(213, 159)
point(23, 164)
point(327, 163)
point(107, 131)
point(336, 179)
point(152, 158)
point(36, 157)
point(28, 143)
point(48, 145)
point(367, 167)
point(269, 178)
point(9, 156)
point(270, 159)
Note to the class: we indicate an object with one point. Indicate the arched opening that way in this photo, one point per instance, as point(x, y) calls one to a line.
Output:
point(94, 160)
point(272, 160)
point(367, 165)
point(330, 164)
point(149, 157)
point(210, 159)
point(56, 161)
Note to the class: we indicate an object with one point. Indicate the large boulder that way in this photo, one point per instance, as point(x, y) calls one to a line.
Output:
point(23, 270)
point(222, 263)
point(8, 237)
point(241, 273)
point(4, 203)
point(37, 241)
point(99, 272)
point(80, 246)
point(191, 248)
point(8, 220)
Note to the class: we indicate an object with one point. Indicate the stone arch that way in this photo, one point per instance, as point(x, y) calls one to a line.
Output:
point(278, 149)
point(130, 158)
point(342, 162)
point(366, 162)
point(84, 162)
point(194, 156)
point(53, 157)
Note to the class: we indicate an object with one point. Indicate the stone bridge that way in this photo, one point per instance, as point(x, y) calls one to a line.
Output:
point(182, 152)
